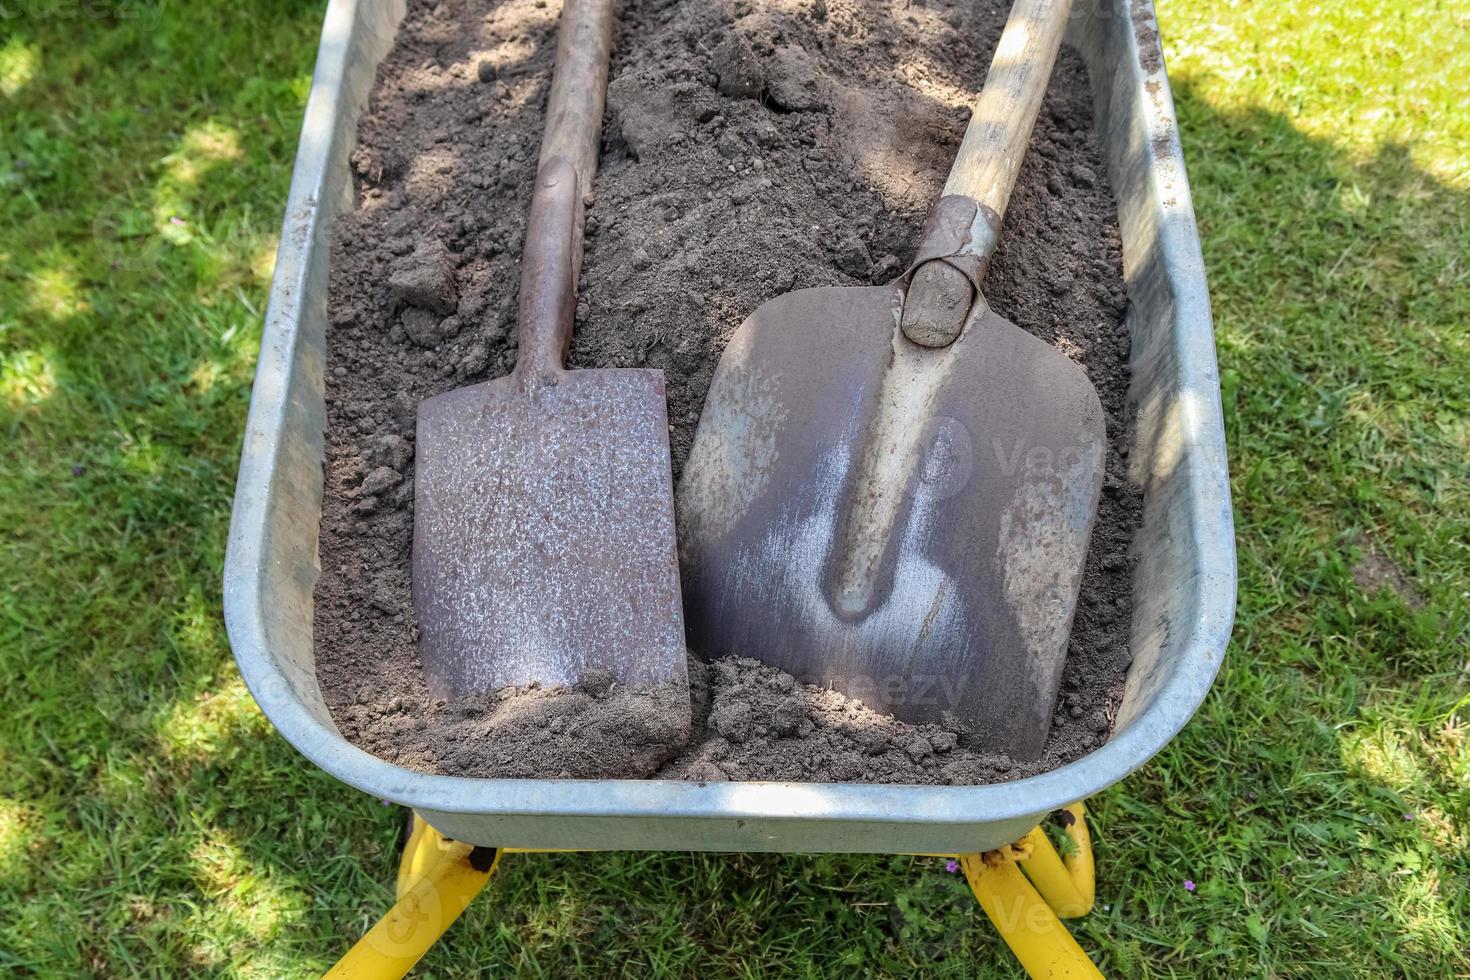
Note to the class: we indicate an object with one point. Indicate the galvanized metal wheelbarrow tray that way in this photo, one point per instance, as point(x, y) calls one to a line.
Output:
point(1184, 581)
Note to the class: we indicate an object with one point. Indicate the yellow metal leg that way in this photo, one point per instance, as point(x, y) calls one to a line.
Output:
point(437, 880)
point(1024, 920)
point(1067, 884)
point(426, 847)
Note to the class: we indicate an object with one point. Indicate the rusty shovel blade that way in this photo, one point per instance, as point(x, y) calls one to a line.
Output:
point(544, 533)
point(905, 525)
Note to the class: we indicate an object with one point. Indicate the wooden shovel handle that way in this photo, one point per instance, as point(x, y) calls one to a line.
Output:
point(551, 259)
point(964, 227)
point(1005, 113)
point(579, 87)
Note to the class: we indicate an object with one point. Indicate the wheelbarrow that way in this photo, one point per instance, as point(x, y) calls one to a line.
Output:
point(1184, 578)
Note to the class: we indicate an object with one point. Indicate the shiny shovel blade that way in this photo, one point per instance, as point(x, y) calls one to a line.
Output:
point(904, 525)
point(543, 538)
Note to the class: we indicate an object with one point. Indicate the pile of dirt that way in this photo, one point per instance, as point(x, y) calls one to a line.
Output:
point(595, 729)
point(751, 148)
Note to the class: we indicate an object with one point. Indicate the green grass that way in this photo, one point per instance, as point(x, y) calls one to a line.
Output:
point(151, 822)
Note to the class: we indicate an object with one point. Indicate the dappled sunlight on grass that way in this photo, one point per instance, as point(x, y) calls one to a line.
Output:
point(1439, 829)
point(228, 876)
point(263, 262)
point(143, 457)
point(1351, 199)
point(245, 908)
point(126, 737)
point(1401, 742)
point(237, 345)
point(1383, 756)
point(55, 292)
point(1420, 907)
point(19, 63)
point(564, 914)
point(195, 628)
point(17, 835)
point(204, 376)
point(27, 378)
point(195, 729)
point(1240, 336)
point(202, 148)
point(1448, 743)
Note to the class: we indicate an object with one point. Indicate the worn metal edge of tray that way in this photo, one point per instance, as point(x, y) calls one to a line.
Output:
point(750, 815)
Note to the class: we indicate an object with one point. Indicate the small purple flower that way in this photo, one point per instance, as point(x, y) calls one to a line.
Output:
point(176, 220)
point(951, 866)
point(1188, 885)
point(1408, 816)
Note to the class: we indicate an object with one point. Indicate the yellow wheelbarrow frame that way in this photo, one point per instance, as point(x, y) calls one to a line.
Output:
point(1026, 889)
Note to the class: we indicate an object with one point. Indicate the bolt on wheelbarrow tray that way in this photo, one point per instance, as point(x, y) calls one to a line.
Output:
point(1184, 580)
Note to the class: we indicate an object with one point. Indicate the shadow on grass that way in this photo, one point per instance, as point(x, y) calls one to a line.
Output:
point(149, 820)
point(1312, 801)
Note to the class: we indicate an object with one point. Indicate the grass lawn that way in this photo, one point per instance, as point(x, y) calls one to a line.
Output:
point(151, 822)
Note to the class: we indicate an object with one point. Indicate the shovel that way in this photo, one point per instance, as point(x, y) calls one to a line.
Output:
point(543, 537)
point(892, 488)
